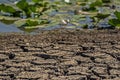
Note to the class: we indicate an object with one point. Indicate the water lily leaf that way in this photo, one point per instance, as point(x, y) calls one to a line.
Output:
point(28, 29)
point(118, 26)
point(23, 4)
point(7, 21)
point(28, 9)
point(102, 16)
point(52, 24)
point(41, 22)
point(20, 23)
point(32, 8)
point(31, 23)
point(37, 1)
point(57, 2)
point(40, 9)
point(117, 14)
point(82, 4)
point(8, 9)
point(114, 22)
point(106, 1)
point(96, 3)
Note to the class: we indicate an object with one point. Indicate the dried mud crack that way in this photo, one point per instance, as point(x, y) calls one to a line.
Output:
point(61, 55)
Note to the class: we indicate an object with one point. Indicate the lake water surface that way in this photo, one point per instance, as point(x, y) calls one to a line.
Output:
point(8, 28)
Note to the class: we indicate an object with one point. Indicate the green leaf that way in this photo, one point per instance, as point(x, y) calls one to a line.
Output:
point(44, 21)
point(28, 9)
point(7, 21)
point(96, 3)
point(8, 9)
point(22, 5)
point(117, 14)
point(36, 1)
point(118, 26)
point(114, 22)
point(106, 1)
point(31, 23)
point(32, 8)
point(102, 16)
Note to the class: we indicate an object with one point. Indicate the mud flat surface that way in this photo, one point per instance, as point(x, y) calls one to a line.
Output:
point(61, 55)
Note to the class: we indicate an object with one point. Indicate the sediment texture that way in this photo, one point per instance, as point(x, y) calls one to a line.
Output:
point(61, 55)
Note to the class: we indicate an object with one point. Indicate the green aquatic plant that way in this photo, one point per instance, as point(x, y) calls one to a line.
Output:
point(7, 21)
point(102, 16)
point(98, 18)
point(36, 13)
point(117, 14)
point(37, 6)
point(115, 22)
point(7, 9)
point(31, 23)
point(94, 4)
point(37, 1)
point(25, 7)
point(22, 5)
point(106, 1)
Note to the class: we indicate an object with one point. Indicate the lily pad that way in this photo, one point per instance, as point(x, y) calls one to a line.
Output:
point(7, 21)
point(114, 22)
point(117, 14)
point(102, 16)
point(20, 23)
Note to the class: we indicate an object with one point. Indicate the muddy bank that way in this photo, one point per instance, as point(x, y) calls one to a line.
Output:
point(61, 55)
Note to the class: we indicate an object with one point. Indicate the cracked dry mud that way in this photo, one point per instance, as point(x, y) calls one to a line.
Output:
point(61, 55)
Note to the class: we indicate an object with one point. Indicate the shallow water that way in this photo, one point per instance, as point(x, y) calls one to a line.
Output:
point(70, 15)
point(8, 28)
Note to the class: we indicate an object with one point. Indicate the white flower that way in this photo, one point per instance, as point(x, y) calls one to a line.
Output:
point(68, 1)
point(15, 2)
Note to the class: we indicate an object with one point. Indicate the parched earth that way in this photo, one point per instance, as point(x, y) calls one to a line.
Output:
point(61, 55)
